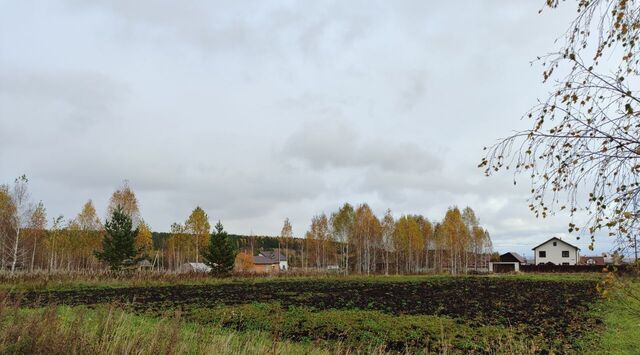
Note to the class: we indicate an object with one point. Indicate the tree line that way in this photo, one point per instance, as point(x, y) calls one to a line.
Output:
point(355, 240)
point(351, 239)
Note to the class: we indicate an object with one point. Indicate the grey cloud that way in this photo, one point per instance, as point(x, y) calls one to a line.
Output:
point(335, 144)
point(80, 97)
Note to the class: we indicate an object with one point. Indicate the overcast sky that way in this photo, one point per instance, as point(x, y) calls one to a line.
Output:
point(262, 110)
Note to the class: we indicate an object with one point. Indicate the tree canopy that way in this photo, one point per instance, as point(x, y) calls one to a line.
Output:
point(118, 244)
point(221, 253)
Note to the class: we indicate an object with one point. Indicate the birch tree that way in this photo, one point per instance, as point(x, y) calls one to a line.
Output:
point(143, 241)
point(36, 231)
point(388, 230)
point(342, 226)
point(17, 212)
point(286, 234)
point(198, 226)
point(126, 200)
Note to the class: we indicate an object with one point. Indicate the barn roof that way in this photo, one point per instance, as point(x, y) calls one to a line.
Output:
point(556, 238)
point(515, 255)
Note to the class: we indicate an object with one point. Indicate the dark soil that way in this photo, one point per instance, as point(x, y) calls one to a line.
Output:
point(553, 309)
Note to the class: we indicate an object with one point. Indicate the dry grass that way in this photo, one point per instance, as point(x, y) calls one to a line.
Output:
point(108, 330)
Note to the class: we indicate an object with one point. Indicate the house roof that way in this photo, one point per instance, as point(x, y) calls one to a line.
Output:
point(145, 263)
point(556, 238)
point(273, 255)
point(515, 255)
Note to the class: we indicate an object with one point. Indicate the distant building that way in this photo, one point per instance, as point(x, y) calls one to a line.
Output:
point(144, 265)
point(509, 262)
point(512, 257)
point(270, 261)
point(556, 251)
point(333, 267)
point(592, 260)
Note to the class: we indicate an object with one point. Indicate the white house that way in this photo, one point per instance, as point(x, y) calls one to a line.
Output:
point(556, 251)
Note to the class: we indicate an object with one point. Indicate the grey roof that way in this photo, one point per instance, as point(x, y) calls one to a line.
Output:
point(145, 263)
point(273, 255)
point(569, 244)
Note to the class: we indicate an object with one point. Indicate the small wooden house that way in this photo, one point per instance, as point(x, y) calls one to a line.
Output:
point(512, 257)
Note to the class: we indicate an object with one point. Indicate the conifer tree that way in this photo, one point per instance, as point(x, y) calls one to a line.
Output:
point(118, 244)
point(221, 254)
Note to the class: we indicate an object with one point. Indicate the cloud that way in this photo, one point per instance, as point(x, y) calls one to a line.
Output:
point(71, 99)
point(335, 144)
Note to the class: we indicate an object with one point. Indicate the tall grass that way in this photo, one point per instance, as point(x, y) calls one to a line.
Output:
point(108, 330)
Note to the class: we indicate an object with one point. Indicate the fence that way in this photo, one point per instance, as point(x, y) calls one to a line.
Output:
point(573, 268)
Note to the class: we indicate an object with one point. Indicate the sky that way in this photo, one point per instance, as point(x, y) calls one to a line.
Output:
point(258, 111)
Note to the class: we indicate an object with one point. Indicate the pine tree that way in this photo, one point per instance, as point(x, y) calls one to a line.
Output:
point(221, 254)
point(118, 244)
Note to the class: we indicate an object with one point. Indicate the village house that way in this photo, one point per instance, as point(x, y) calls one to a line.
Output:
point(509, 262)
point(269, 261)
point(556, 251)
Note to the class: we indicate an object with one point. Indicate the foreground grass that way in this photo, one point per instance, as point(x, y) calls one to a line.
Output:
point(108, 330)
point(79, 330)
point(621, 317)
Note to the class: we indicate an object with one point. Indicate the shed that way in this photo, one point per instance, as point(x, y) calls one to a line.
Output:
point(144, 265)
point(512, 257)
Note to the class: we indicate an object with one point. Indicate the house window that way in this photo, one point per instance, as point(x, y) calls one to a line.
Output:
point(555, 243)
point(565, 253)
point(565, 263)
point(542, 254)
